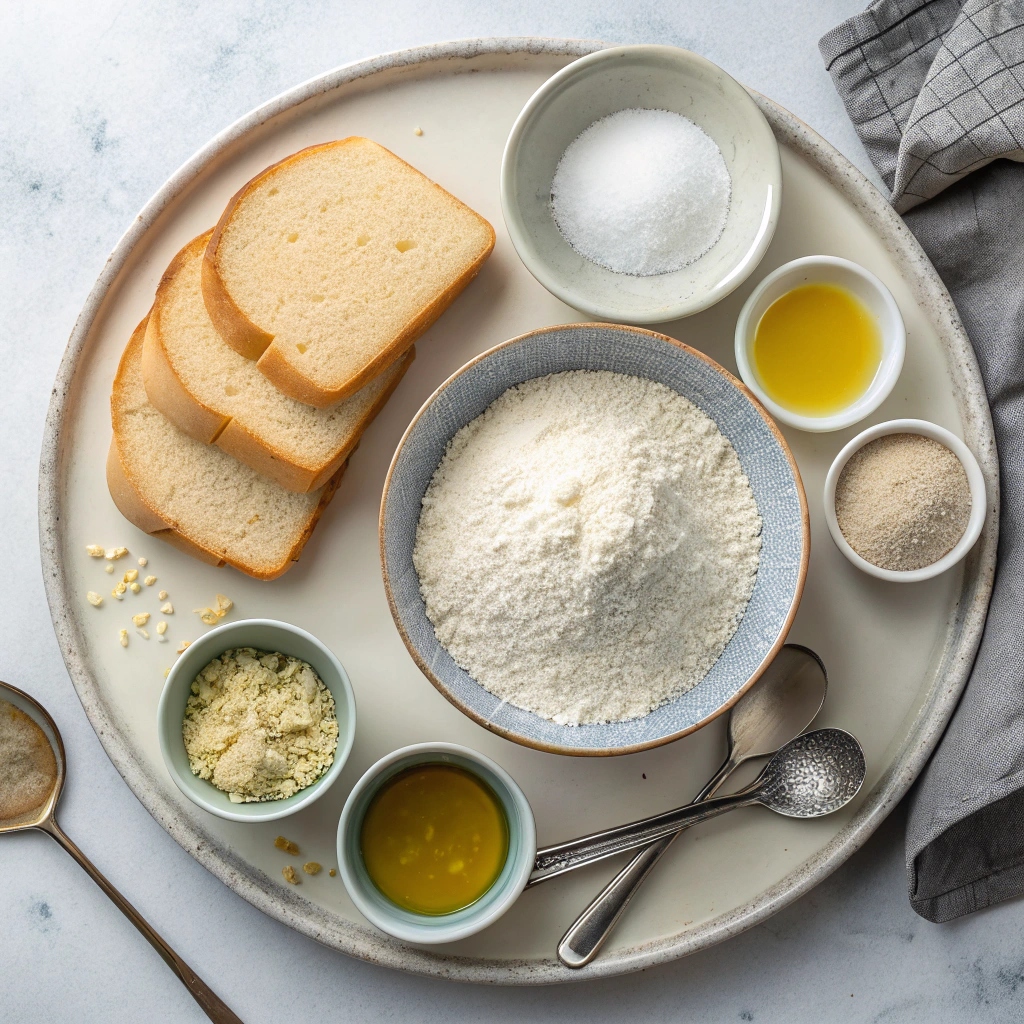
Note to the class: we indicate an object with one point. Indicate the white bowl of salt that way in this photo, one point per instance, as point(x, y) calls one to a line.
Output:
point(641, 184)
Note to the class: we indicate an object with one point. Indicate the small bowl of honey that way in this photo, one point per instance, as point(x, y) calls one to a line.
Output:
point(435, 843)
point(821, 343)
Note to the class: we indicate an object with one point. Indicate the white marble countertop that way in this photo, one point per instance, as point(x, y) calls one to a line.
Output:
point(102, 101)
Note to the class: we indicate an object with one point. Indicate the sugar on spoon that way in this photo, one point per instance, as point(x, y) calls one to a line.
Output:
point(779, 707)
point(28, 774)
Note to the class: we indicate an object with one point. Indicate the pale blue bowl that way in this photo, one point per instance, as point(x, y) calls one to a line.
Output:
point(424, 928)
point(762, 451)
point(264, 635)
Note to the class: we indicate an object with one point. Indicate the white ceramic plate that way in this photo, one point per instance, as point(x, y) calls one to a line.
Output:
point(897, 656)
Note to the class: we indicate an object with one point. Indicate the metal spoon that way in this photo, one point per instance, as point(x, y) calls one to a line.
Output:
point(43, 819)
point(780, 706)
point(811, 776)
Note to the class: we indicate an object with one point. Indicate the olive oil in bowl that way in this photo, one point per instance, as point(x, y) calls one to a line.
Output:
point(434, 839)
point(817, 349)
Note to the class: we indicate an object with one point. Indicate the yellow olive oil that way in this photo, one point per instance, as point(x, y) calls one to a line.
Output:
point(817, 349)
point(434, 839)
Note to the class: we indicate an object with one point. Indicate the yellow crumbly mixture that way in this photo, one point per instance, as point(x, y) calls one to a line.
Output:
point(259, 725)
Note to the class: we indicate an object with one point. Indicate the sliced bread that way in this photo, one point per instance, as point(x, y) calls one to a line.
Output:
point(196, 496)
point(328, 265)
point(204, 387)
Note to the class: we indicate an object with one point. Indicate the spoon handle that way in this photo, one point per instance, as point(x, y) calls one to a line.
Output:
point(587, 934)
point(557, 860)
point(211, 1004)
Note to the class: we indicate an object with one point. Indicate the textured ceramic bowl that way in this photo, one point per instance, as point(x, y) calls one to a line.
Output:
point(602, 83)
point(423, 928)
point(879, 302)
point(975, 480)
point(763, 454)
point(266, 635)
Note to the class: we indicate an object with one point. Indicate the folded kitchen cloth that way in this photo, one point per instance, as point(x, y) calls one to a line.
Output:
point(935, 89)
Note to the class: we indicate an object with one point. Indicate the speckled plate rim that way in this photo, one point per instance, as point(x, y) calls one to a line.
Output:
point(953, 662)
point(554, 748)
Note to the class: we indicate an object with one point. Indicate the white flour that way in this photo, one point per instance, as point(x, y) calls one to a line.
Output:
point(587, 546)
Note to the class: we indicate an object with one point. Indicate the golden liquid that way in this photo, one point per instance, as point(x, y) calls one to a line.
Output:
point(434, 839)
point(817, 349)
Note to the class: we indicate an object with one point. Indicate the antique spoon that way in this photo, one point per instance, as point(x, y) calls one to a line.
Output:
point(780, 706)
point(812, 775)
point(43, 818)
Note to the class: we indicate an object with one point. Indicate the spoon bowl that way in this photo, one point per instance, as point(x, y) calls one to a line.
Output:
point(813, 775)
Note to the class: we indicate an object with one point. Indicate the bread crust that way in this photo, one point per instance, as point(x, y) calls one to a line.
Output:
point(132, 504)
point(168, 394)
point(252, 341)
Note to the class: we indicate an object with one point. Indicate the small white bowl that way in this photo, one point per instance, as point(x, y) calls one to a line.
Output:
point(602, 83)
point(423, 928)
point(265, 635)
point(870, 291)
point(975, 480)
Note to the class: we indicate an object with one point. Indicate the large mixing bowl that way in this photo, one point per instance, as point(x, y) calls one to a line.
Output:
point(763, 454)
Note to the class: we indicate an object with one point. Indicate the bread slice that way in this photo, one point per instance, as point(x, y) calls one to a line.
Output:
point(328, 265)
point(196, 496)
point(204, 387)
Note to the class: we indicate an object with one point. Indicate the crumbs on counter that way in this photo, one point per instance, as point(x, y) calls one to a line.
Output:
point(141, 618)
point(166, 608)
point(211, 616)
point(183, 645)
point(94, 599)
point(311, 867)
point(289, 875)
point(123, 637)
point(131, 575)
point(162, 595)
point(332, 872)
point(149, 581)
point(143, 562)
point(287, 845)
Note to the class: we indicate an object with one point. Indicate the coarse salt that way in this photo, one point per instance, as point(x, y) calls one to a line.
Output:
point(642, 192)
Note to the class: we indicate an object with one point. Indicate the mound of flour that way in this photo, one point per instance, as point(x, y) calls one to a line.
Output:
point(587, 546)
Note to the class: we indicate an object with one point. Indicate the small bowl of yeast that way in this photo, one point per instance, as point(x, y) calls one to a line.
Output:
point(593, 539)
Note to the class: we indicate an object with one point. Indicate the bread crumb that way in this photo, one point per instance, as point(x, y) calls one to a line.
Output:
point(113, 554)
point(417, 131)
point(131, 575)
point(167, 671)
point(167, 608)
point(94, 599)
point(143, 562)
point(332, 872)
point(208, 615)
point(161, 628)
point(108, 568)
point(150, 580)
point(162, 595)
point(95, 550)
point(141, 619)
point(118, 591)
point(123, 637)
point(311, 867)
point(143, 633)
point(259, 724)
point(287, 845)
point(224, 605)
point(134, 587)
point(289, 875)
point(183, 645)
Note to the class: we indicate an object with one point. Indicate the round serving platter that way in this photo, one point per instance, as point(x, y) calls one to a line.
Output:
point(897, 656)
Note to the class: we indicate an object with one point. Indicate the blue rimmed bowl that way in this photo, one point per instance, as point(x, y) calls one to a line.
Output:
point(763, 454)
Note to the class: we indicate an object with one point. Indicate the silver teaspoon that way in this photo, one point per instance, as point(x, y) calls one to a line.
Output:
point(42, 818)
point(780, 706)
point(813, 775)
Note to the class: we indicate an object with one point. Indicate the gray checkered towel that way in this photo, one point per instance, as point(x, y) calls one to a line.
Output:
point(935, 89)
